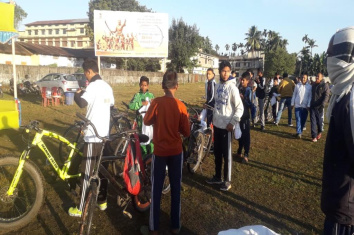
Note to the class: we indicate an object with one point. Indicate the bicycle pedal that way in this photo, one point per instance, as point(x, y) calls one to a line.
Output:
point(121, 201)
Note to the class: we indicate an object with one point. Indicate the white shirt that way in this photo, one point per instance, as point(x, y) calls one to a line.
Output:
point(99, 97)
point(302, 96)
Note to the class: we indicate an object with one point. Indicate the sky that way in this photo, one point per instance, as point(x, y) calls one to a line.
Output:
point(227, 22)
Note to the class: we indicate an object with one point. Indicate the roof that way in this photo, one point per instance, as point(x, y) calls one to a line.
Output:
point(48, 22)
point(24, 48)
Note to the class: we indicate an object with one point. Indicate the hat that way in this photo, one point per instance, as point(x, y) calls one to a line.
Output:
point(341, 45)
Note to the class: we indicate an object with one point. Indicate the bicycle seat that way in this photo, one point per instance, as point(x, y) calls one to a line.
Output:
point(143, 138)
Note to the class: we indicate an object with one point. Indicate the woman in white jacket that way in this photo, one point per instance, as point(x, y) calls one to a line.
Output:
point(301, 100)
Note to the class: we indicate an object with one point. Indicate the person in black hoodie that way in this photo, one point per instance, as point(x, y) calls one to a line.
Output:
point(337, 199)
point(260, 93)
point(320, 94)
point(209, 95)
point(246, 96)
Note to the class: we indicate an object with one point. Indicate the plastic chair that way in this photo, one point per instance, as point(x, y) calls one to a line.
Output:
point(45, 98)
point(57, 97)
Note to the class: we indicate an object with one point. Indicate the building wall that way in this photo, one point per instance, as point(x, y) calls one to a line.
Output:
point(61, 35)
point(19, 60)
point(112, 76)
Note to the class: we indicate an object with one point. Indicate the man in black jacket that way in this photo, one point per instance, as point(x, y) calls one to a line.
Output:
point(337, 200)
point(320, 94)
point(260, 93)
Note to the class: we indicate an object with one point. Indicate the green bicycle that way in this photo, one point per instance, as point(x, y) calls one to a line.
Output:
point(21, 181)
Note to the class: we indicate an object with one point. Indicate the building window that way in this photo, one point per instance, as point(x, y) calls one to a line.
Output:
point(43, 31)
point(36, 32)
point(50, 31)
point(72, 44)
point(64, 31)
point(57, 31)
point(65, 43)
point(29, 32)
point(79, 44)
point(82, 30)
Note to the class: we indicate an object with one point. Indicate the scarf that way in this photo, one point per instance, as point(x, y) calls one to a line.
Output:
point(340, 67)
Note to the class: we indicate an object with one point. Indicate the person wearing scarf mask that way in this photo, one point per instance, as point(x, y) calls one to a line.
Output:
point(337, 199)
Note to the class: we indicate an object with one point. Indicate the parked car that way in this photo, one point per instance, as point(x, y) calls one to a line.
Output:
point(64, 82)
point(81, 78)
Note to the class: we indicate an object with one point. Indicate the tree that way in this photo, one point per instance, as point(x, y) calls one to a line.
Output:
point(253, 39)
point(227, 47)
point(181, 52)
point(234, 47)
point(20, 15)
point(311, 44)
point(217, 48)
point(279, 60)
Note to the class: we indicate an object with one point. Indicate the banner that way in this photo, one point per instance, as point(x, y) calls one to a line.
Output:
point(7, 12)
point(131, 34)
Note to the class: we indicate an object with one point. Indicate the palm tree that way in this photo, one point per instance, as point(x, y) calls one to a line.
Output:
point(312, 44)
point(217, 48)
point(234, 47)
point(305, 38)
point(227, 47)
point(265, 33)
point(253, 39)
point(284, 43)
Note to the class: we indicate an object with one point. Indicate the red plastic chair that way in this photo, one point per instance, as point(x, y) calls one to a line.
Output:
point(45, 98)
point(57, 97)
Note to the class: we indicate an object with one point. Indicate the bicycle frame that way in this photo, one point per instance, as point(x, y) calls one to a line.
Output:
point(37, 141)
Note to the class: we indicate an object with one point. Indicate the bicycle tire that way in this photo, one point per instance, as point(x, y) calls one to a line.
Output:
point(21, 208)
point(71, 134)
point(89, 207)
point(195, 152)
point(120, 124)
point(118, 165)
point(166, 187)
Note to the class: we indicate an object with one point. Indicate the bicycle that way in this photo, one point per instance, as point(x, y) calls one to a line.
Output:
point(141, 201)
point(21, 181)
point(199, 142)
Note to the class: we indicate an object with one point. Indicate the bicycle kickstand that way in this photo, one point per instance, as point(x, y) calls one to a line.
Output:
point(124, 202)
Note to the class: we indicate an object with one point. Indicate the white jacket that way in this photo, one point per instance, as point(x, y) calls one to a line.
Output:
point(302, 96)
point(228, 104)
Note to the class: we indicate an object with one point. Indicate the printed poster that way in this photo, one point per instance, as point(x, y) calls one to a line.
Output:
point(131, 34)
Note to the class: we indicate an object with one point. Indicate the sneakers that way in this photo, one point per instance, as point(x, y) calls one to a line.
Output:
point(262, 128)
point(214, 180)
point(304, 129)
point(73, 211)
point(290, 125)
point(225, 186)
point(275, 123)
point(298, 136)
point(314, 140)
point(102, 206)
point(319, 136)
point(245, 159)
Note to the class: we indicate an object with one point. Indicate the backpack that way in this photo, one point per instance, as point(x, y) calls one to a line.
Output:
point(133, 173)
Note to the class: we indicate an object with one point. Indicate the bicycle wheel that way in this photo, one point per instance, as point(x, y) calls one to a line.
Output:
point(19, 209)
point(120, 150)
point(142, 201)
point(195, 152)
point(166, 184)
point(166, 187)
point(120, 124)
point(75, 135)
point(89, 207)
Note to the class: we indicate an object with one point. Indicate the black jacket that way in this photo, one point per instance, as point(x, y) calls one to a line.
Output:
point(320, 94)
point(337, 200)
point(260, 91)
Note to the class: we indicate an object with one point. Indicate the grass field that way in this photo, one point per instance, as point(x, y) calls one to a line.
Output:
point(280, 186)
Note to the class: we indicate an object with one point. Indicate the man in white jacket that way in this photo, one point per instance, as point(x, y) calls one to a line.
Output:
point(228, 110)
point(301, 100)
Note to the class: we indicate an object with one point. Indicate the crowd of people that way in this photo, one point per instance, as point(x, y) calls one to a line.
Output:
point(235, 103)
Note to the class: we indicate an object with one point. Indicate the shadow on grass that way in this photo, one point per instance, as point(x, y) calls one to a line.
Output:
point(269, 168)
point(256, 210)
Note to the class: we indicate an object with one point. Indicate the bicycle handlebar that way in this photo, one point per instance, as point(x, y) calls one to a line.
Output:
point(33, 125)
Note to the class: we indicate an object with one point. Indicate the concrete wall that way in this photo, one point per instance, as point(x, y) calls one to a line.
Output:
point(112, 76)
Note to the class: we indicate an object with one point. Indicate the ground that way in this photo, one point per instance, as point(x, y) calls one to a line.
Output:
point(279, 188)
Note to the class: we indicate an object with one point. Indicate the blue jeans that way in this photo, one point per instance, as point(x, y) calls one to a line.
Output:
point(300, 116)
point(284, 102)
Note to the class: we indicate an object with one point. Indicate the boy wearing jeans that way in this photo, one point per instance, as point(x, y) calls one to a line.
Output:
point(228, 110)
point(169, 118)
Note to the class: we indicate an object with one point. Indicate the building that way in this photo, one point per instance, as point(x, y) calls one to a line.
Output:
point(251, 60)
point(205, 61)
point(58, 33)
